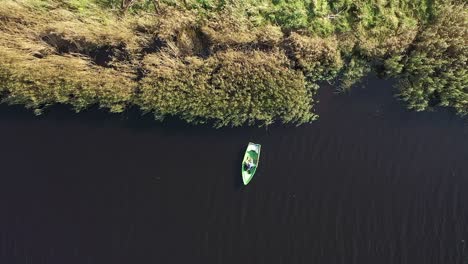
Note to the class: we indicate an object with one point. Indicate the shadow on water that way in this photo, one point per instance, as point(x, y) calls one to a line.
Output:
point(94, 116)
point(239, 184)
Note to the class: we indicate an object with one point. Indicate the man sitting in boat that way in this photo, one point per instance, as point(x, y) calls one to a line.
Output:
point(249, 163)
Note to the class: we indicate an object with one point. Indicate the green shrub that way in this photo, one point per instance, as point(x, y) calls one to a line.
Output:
point(319, 58)
point(435, 71)
point(38, 83)
point(353, 72)
point(231, 88)
point(228, 62)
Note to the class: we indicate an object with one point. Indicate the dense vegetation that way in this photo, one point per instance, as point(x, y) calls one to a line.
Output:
point(228, 62)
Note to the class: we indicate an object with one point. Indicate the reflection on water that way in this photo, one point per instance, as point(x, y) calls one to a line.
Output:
point(368, 183)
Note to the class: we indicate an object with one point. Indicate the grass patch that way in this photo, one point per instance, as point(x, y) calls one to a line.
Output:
point(228, 63)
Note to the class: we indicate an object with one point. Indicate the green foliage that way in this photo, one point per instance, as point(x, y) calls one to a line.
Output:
point(435, 71)
point(228, 62)
point(231, 88)
point(290, 14)
point(393, 66)
point(318, 58)
point(224, 30)
point(354, 71)
point(37, 83)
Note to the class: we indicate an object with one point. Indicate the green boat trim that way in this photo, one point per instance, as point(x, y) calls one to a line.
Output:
point(251, 157)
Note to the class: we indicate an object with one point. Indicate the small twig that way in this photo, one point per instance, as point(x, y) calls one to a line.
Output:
point(333, 16)
point(126, 4)
point(156, 5)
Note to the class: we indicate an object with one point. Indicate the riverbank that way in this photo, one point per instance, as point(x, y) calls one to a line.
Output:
point(228, 64)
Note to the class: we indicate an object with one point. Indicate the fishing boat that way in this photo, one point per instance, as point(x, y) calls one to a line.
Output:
point(250, 162)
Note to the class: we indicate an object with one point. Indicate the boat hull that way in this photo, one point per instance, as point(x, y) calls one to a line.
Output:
point(252, 155)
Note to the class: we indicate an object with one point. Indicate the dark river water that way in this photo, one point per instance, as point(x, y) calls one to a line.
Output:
point(369, 182)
